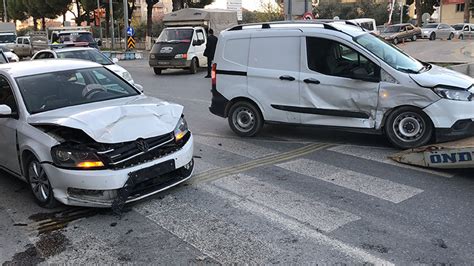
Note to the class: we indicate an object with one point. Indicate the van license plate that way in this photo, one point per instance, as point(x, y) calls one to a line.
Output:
point(163, 63)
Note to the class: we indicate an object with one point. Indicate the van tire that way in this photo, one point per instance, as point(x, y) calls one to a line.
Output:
point(39, 179)
point(408, 127)
point(245, 119)
point(157, 71)
point(194, 66)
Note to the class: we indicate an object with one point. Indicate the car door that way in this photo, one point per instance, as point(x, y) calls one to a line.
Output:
point(25, 51)
point(339, 84)
point(403, 33)
point(444, 29)
point(8, 128)
point(273, 73)
point(471, 32)
point(410, 32)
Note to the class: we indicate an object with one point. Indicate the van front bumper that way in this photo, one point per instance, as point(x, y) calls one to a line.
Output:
point(452, 119)
point(103, 188)
point(172, 63)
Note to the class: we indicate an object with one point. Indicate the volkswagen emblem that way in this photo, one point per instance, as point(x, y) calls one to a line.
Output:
point(142, 145)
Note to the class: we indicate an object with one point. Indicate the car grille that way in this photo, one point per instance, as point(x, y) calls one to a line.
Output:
point(133, 153)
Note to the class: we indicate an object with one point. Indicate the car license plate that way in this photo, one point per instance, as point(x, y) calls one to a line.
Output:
point(154, 171)
point(163, 63)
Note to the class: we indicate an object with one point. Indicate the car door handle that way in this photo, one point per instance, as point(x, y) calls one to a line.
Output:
point(312, 81)
point(289, 78)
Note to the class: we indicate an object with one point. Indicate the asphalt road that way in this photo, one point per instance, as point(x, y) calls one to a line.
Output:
point(452, 51)
point(291, 195)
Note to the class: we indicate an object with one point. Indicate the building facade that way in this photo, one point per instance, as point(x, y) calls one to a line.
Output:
point(452, 11)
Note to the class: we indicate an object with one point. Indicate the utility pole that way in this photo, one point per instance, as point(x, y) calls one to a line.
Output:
point(5, 19)
point(111, 7)
point(125, 21)
point(100, 22)
point(289, 15)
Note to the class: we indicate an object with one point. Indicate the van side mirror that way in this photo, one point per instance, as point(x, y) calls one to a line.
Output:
point(5, 111)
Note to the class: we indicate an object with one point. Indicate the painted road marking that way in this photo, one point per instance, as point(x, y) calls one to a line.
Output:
point(238, 147)
point(370, 185)
point(268, 160)
point(380, 154)
point(303, 209)
point(295, 227)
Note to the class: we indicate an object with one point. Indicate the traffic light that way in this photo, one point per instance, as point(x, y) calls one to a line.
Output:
point(406, 10)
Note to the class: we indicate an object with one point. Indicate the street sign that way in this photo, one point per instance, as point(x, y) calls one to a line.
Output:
point(237, 6)
point(130, 31)
point(131, 42)
point(298, 7)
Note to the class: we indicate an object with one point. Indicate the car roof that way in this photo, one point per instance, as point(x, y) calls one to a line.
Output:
point(34, 67)
point(68, 49)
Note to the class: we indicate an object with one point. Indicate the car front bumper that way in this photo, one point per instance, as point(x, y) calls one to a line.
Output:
point(101, 188)
point(452, 119)
point(425, 35)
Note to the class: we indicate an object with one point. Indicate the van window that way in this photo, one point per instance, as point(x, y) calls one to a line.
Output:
point(332, 58)
point(237, 51)
point(277, 53)
point(200, 36)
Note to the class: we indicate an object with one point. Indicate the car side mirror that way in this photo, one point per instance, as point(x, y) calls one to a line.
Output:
point(5, 111)
point(139, 87)
point(196, 43)
point(99, 43)
point(115, 60)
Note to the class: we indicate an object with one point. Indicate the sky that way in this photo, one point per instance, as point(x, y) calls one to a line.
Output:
point(247, 4)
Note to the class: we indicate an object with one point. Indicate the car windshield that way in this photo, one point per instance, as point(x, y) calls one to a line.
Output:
point(458, 26)
point(56, 90)
point(89, 55)
point(8, 38)
point(390, 54)
point(392, 29)
point(76, 37)
point(430, 26)
point(176, 35)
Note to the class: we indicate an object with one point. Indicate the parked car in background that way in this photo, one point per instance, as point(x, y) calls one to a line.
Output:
point(80, 135)
point(85, 53)
point(463, 31)
point(3, 58)
point(435, 31)
point(366, 23)
point(12, 57)
point(27, 46)
point(401, 32)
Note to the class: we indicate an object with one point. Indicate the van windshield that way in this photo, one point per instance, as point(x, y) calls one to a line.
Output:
point(390, 54)
point(175, 35)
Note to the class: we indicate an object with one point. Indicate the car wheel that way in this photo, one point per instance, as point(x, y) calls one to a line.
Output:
point(432, 36)
point(413, 38)
point(451, 36)
point(194, 66)
point(461, 37)
point(245, 119)
point(408, 127)
point(40, 185)
point(157, 71)
point(395, 41)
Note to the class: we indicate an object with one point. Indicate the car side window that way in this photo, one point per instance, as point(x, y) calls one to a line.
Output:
point(6, 95)
point(44, 55)
point(335, 59)
point(472, 28)
point(26, 41)
point(409, 28)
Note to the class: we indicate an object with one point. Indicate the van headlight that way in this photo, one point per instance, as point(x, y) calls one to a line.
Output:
point(454, 94)
point(181, 129)
point(75, 159)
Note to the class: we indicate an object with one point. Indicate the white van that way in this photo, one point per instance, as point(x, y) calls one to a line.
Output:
point(367, 23)
point(336, 75)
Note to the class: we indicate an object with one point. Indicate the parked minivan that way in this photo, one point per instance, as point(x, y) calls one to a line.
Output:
point(336, 75)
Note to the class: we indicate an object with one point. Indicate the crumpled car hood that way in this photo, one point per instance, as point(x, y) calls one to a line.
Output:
point(116, 121)
point(442, 76)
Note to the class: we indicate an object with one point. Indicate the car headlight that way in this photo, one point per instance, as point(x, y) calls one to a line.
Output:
point(454, 94)
point(181, 129)
point(75, 159)
point(126, 75)
point(425, 31)
point(181, 56)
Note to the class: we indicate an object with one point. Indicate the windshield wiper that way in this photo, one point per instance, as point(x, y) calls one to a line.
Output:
point(408, 70)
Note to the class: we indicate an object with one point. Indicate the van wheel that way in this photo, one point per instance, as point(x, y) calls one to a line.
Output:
point(433, 36)
point(408, 127)
point(157, 71)
point(194, 66)
point(245, 119)
point(451, 36)
point(40, 185)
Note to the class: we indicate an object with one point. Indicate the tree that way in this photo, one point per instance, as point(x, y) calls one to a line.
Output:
point(467, 11)
point(149, 16)
point(180, 4)
point(16, 10)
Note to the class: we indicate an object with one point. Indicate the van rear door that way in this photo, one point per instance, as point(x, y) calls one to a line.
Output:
point(274, 73)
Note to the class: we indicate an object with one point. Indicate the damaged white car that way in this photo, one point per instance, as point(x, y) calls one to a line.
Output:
point(336, 75)
point(81, 135)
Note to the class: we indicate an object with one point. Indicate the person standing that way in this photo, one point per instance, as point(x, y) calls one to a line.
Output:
point(210, 51)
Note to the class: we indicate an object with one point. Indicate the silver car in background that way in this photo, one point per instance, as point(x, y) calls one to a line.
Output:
point(463, 31)
point(435, 31)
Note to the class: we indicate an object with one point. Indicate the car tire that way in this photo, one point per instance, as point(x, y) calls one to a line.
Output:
point(39, 184)
point(395, 41)
point(451, 36)
point(433, 36)
point(194, 66)
point(408, 127)
point(461, 37)
point(245, 119)
point(413, 38)
point(157, 71)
